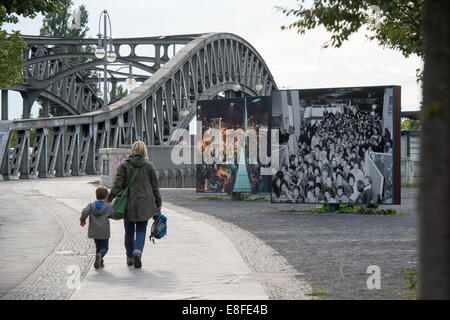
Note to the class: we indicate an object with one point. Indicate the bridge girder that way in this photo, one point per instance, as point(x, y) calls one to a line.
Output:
point(206, 66)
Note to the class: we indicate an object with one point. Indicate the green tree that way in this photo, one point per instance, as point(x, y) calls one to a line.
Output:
point(57, 24)
point(410, 124)
point(121, 92)
point(12, 45)
point(29, 8)
point(396, 24)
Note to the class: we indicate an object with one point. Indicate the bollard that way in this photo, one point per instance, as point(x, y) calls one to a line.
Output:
point(334, 207)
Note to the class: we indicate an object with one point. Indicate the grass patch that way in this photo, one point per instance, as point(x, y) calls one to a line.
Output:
point(414, 184)
point(318, 293)
point(96, 182)
point(282, 210)
point(410, 185)
point(239, 196)
point(361, 209)
point(258, 199)
point(410, 276)
point(207, 198)
point(235, 196)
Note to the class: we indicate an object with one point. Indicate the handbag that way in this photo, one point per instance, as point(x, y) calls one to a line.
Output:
point(120, 202)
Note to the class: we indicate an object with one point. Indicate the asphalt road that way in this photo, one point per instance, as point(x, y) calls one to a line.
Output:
point(332, 250)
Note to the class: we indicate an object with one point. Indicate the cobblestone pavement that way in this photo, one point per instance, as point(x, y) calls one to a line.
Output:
point(333, 251)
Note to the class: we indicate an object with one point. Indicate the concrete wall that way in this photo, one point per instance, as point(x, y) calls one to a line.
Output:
point(410, 140)
point(170, 175)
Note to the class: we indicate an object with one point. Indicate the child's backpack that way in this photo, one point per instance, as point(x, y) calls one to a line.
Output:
point(159, 227)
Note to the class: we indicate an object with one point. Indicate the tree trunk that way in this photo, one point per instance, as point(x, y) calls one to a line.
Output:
point(434, 215)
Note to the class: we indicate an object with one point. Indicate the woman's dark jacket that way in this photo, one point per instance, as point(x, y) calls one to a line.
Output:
point(143, 194)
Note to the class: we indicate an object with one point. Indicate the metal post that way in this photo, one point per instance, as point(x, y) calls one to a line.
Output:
point(45, 108)
point(4, 104)
point(105, 98)
point(334, 207)
point(26, 107)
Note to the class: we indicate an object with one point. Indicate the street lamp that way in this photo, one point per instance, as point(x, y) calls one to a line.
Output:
point(99, 52)
point(258, 87)
point(184, 112)
point(131, 82)
point(237, 87)
point(105, 51)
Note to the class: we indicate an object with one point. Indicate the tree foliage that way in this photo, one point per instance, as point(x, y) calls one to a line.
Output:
point(396, 24)
point(29, 8)
point(410, 124)
point(56, 24)
point(11, 60)
point(121, 92)
point(12, 45)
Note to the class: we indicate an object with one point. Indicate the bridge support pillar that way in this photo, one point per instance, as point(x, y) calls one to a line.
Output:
point(43, 162)
point(25, 172)
point(4, 104)
point(45, 109)
point(92, 165)
point(60, 155)
point(76, 157)
point(28, 99)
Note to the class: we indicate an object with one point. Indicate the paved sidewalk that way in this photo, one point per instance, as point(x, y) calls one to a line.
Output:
point(197, 260)
point(22, 220)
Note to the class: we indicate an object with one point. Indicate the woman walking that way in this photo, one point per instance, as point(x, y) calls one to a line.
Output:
point(144, 199)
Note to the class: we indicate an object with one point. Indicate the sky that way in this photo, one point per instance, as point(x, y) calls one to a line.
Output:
point(295, 61)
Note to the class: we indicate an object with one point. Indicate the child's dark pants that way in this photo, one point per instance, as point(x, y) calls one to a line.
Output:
point(101, 246)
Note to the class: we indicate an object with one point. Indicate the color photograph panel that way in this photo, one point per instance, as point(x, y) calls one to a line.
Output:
point(233, 170)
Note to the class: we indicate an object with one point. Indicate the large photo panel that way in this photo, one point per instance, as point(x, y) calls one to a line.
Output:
point(230, 162)
point(336, 145)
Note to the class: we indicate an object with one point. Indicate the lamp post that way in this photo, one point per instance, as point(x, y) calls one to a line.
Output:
point(105, 51)
point(130, 81)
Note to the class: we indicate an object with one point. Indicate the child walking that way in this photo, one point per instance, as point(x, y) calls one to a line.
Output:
point(99, 212)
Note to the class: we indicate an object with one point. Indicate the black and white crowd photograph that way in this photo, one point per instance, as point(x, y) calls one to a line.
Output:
point(335, 145)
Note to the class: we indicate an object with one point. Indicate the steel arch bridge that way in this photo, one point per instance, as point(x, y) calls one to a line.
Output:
point(206, 66)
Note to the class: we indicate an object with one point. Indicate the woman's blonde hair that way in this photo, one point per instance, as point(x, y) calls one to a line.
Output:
point(139, 147)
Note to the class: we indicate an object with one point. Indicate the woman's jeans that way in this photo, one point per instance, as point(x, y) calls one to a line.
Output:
point(134, 245)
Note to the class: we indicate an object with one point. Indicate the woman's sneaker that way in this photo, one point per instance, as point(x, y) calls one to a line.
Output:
point(98, 259)
point(137, 260)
